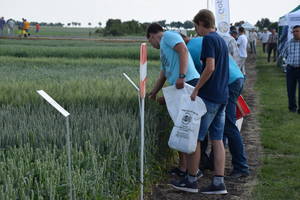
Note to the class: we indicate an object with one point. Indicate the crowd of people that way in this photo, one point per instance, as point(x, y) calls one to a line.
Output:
point(208, 63)
point(215, 65)
point(23, 27)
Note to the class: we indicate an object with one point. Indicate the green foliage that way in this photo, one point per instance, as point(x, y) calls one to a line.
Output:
point(104, 123)
point(274, 25)
point(263, 23)
point(116, 27)
point(176, 24)
point(113, 27)
point(188, 24)
point(280, 174)
point(76, 49)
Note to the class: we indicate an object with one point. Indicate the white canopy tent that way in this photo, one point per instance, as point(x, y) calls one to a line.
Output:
point(248, 26)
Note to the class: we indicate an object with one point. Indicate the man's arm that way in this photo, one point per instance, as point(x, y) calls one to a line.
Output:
point(158, 85)
point(206, 74)
point(181, 49)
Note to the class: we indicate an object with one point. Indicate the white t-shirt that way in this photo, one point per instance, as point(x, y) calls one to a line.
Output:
point(252, 36)
point(242, 44)
point(265, 37)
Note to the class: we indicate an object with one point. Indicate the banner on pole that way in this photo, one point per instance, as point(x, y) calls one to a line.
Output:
point(143, 69)
point(222, 13)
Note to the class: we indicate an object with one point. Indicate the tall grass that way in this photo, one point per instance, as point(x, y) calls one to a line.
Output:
point(104, 124)
point(280, 174)
point(75, 52)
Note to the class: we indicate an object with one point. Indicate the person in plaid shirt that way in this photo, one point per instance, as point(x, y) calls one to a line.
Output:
point(272, 44)
point(292, 55)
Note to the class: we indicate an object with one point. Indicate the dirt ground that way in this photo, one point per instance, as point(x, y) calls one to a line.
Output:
point(238, 189)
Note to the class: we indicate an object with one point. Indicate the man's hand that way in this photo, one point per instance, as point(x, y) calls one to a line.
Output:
point(180, 83)
point(194, 94)
point(151, 95)
point(161, 100)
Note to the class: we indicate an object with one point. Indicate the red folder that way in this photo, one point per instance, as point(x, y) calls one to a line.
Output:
point(242, 109)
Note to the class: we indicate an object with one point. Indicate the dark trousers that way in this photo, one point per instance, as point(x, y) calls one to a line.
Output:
point(272, 47)
point(264, 47)
point(292, 77)
point(253, 47)
point(231, 132)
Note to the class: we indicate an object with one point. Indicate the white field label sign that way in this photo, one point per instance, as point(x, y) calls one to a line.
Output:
point(53, 103)
point(222, 16)
point(132, 83)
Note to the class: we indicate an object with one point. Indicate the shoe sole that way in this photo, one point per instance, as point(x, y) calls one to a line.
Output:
point(174, 174)
point(198, 177)
point(185, 189)
point(216, 192)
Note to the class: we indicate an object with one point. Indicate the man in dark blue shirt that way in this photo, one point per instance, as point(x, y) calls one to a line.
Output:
point(212, 87)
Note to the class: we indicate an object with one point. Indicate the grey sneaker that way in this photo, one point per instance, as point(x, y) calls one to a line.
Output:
point(185, 185)
point(215, 189)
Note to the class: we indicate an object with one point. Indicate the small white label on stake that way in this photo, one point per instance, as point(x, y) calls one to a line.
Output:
point(53, 103)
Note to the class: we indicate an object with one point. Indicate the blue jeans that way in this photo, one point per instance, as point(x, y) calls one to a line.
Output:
point(292, 77)
point(212, 121)
point(231, 132)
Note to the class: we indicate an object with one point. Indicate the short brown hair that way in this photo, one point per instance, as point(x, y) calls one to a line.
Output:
point(205, 16)
point(154, 28)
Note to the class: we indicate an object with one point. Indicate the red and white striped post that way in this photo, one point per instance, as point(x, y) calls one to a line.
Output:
point(143, 79)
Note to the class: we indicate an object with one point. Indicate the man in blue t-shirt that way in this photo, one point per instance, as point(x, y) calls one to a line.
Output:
point(194, 46)
point(212, 87)
point(177, 65)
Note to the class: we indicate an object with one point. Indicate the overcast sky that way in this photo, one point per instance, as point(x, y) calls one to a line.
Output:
point(93, 11)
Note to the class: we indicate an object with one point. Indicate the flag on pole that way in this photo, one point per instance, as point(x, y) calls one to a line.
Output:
point(143, 69)
point(222, 13)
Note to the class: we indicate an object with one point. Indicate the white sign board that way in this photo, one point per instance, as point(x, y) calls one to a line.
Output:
point(53, 103)
point(222, 16)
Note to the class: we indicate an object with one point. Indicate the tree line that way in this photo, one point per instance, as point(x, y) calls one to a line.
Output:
point(266, 23)
point(115, 27)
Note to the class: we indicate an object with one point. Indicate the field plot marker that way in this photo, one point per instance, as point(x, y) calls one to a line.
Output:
point(143, 79)
point(66, 114)
point(142, 93)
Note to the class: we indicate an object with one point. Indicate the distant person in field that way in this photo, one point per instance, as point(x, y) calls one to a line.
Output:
point(20, 29)
point(26, 26)
point(264, 37)
point(252, 40)
point(37, 27)
point(177, 67)
point(2, 23)
point(242, 43)
point(231, 43)
point(292, 55)
point(272, 45)
point(10, 26)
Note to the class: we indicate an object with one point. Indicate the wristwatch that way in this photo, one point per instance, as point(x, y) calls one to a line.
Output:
point(181, 75)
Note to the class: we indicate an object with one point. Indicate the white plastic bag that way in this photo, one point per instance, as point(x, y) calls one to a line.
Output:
point(186, 115)
point(172, 98)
